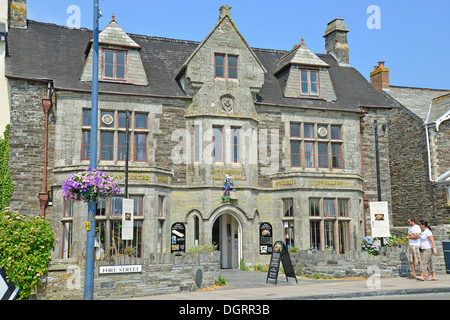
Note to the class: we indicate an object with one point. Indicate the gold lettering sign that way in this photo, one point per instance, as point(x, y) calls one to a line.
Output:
point(221, 174)
point(286, 182)
point(131, 176)
point(163, 179)
point(329, 183)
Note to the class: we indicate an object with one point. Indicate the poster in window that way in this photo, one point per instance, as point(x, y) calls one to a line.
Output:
point(265, 238)
point(379, 219)
point(178, 238)
point(127, 219)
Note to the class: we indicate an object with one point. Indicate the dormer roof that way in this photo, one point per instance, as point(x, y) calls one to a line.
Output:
point(300, 55)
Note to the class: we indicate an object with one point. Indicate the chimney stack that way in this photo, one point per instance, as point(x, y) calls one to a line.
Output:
point(379, 77)
point(17, 10)
point(336, 41)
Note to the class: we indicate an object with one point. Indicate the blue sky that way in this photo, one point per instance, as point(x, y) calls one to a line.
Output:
point(413, 37)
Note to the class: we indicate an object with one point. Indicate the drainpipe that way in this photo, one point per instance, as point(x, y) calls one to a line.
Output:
point(362, 125)
point(44, 195)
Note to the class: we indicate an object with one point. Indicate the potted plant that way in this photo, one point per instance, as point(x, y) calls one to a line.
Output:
point(89, 184)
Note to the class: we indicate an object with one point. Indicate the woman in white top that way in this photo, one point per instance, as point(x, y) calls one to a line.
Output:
point(427, 247)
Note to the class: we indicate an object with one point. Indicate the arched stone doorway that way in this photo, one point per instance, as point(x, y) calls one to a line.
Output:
point(227, 235)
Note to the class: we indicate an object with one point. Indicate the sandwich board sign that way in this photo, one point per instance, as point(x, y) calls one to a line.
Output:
point(8, 291)
point(280, 253)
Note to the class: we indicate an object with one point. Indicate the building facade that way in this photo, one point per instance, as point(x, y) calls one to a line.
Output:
point(292, 131)
point(419, 142)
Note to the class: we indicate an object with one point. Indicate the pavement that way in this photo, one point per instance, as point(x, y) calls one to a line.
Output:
point(249, 285)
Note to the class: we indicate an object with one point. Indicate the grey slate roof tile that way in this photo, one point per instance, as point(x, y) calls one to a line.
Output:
point(48, 51)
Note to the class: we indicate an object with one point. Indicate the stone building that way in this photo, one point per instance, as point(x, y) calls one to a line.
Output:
point(419, 143)
point(294, 132)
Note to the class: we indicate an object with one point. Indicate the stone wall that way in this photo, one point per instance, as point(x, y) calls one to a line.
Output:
point(392, 261)
point(26, 155)
point(161, 273)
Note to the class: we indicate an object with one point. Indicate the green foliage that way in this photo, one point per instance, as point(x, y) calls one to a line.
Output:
point(25, 244)
point(242, 266)
point(198, 249)
point(6, 184)
point(260, 268)
point(221, 282)
point(293, 250)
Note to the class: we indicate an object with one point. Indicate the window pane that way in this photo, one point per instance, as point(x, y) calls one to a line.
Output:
point(141, 147)
point(219, 59)
point(107, 146)
point(109, 57)
point(101, 204)
point(120, 72)
point(109, 71)
point(309, 130)
point(336, 154)
point(314, 208)
point(120, 58)
point(295, 130)
point(232, 62)
point(344, 244)
point(304, 76)
point(305, 88)
point(235, 144)
point(314, 90)
point(86, 152)
point(67, 240)
point(232, 73)
point(122, 119)
point(329, 235)
point(122, 147)
point(309, 154)
point(315, 235)
point(196, 143)
point(137, 205)
point(287, 207)
point(87, 117)
point(289, 234)
point(141, 121)
point(117, 205)
point(323, 155)
point(343, 207)
point(313, 76)
point(329, 207)
point(335, 132)
point(217, 139)
point(295, 153)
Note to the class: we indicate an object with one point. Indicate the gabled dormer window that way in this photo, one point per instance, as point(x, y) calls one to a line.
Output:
point(114, 65)
point(309, 82)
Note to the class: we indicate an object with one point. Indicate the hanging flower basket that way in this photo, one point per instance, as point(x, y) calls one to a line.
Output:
point(89, 184)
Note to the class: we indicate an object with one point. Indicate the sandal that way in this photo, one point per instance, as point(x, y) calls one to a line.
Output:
point(420, 278)
point(432, 279)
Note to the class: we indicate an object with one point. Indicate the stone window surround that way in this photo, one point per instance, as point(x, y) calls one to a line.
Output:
point(316, 140)
point(116, 130)
point(309, 70)
point(108, 219)
point(103, 66)
point(336, 221)
point(226, 66)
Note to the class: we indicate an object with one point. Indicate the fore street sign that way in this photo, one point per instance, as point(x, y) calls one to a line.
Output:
point(120, 269)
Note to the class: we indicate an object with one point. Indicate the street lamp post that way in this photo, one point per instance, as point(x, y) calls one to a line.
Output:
point(90, 238)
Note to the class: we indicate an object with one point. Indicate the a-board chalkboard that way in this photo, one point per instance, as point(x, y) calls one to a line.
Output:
point(280, 253)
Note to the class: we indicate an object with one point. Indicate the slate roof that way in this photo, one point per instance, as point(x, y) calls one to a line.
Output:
point(57, 53)
point(419, 101)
